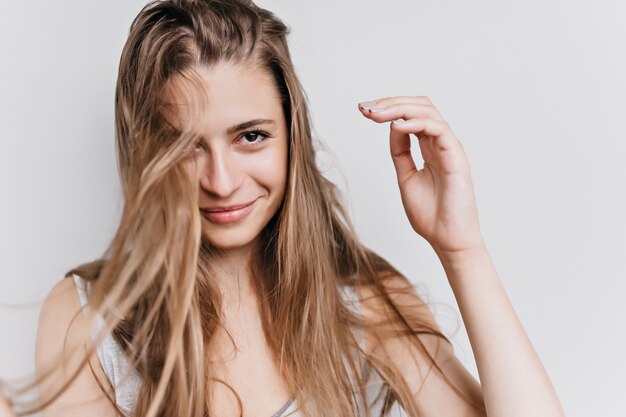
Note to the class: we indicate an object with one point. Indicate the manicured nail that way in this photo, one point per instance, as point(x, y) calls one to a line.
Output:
point(366, 104)
point(398, 122)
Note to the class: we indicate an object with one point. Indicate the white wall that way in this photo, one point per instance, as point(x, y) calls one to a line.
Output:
point(535, 91)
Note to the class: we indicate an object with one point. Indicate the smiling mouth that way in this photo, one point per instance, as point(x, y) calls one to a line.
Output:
point(229, 215)
point(226, 208)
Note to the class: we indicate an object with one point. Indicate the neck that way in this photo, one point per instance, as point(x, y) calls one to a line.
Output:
point(233, 275)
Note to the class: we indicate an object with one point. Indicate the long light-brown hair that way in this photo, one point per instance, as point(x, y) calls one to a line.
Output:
point(154, 288)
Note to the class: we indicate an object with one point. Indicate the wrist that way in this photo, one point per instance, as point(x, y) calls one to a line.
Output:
point(463, 257)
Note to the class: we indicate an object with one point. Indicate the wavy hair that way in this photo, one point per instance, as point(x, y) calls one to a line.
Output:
point(154, 287)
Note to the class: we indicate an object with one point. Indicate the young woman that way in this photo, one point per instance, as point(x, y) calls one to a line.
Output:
point(235, 284)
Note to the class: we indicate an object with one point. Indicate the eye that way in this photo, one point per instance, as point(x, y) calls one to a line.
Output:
point(254, 137)
point(195, 147)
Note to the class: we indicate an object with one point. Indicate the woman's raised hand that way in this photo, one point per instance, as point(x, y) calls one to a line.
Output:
point(438, 198)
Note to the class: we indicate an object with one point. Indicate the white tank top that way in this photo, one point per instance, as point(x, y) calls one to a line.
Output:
point(126, 380)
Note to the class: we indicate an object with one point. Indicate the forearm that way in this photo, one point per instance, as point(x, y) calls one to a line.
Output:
point(513, 379)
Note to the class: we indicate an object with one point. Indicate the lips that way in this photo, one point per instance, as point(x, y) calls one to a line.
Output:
point(227, 214)
point(216, 209)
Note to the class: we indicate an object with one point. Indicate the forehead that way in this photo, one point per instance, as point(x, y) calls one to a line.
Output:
point(219, 95)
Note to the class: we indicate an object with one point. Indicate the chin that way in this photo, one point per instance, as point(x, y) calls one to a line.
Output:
point(232, 236)
point(229, 239)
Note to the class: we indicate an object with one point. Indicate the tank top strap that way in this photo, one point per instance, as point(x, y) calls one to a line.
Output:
point(353, 303)
point(376, 388)
point(352, 300)
point(124, 379)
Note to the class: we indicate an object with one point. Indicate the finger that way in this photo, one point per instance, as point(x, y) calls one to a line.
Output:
point(400, 147)
point(438, 129)
point(386, 101)
point(404, 111)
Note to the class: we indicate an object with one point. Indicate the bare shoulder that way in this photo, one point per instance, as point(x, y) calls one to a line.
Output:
point(381, 318)
point(375, 310)
point(61, 331)
point(62, 298)
point(402, 293)
point(432, 393)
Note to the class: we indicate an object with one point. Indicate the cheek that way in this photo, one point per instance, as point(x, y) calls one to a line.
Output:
point(271, 168)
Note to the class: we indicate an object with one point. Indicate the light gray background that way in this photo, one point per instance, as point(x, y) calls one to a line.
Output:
point(535, 90)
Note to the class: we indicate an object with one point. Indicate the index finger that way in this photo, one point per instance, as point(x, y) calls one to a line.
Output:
point(386, 101)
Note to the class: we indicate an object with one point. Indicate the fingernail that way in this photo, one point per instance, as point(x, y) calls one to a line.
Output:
point(398, 122)
point(366, 104)
point(375, 109)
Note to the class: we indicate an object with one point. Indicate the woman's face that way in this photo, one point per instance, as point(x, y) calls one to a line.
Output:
point(242, 157)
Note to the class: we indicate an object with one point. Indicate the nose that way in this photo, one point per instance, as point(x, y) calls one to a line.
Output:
point(220, 175)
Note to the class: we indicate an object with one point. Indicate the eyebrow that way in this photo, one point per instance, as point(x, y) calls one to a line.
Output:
point(249, 123)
